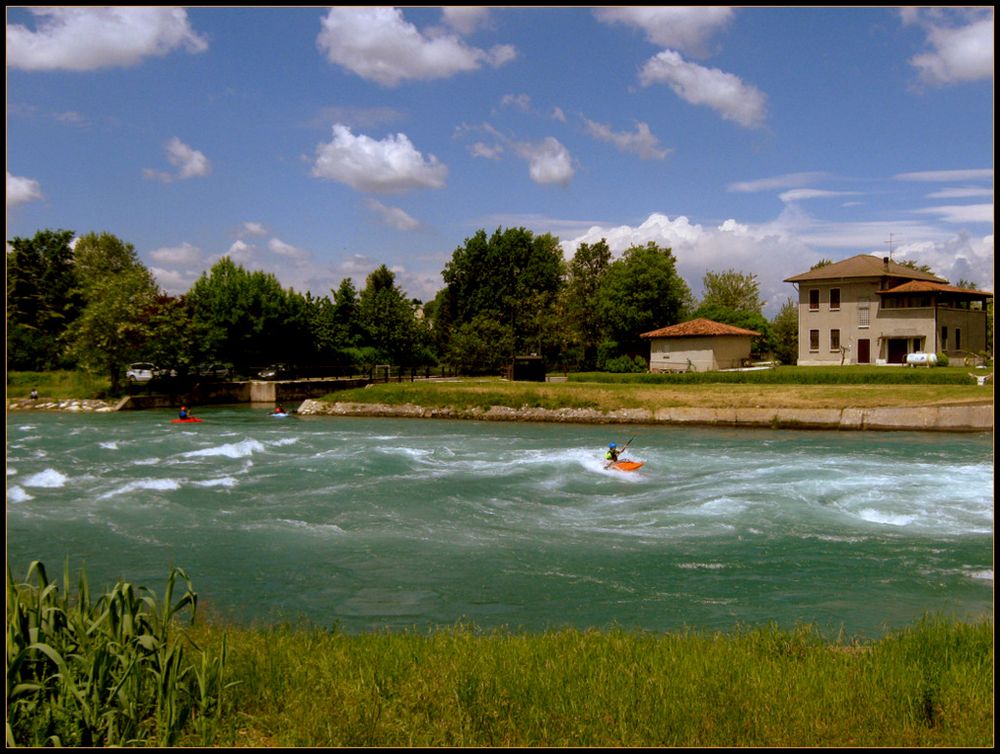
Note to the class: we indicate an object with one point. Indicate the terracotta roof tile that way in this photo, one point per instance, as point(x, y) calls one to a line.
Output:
point(925, 286)
point(697, 328)
point(864, 266)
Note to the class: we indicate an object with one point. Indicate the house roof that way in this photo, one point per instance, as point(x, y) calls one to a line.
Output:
point(863, 266)
point(697, 328)
point(925, 286)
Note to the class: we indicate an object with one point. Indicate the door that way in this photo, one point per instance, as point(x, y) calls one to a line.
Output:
point(864, 351)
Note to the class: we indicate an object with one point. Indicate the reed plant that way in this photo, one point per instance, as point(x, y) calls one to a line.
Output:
point(110, 671)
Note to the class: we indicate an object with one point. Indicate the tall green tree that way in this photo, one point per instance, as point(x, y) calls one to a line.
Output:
point(641, 291)
point(512, 276)
point(118, 293)
point(583, 281)
point(731, 289)
point(388, 318)
point(785, 333)
point(43, 299)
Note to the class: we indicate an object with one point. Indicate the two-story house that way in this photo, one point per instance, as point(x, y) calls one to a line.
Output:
point(870, 310)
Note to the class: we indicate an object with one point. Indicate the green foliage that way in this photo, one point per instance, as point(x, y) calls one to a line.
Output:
point(785, 333)
point(482, 346)
point(389, 320)
point(641, 292)
point(732, 290)
point(42, 299)
point(57, 384)
point(111, 671)
point(584, 276)
point(942, 360)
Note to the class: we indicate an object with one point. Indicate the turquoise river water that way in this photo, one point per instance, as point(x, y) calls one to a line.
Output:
point(409, 523)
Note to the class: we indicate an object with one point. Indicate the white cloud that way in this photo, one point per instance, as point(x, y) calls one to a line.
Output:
point(393, 216)
point(789, 180)
point(185, 254)
point(548, 161)
point(190, 163)
point(961, 213)
point(21, 190)
point(490, 152)
point(723, 92)
point(947, 175)
point(389, 166)
point(466, 19)
point(379, 45)
point(86, 39)
point(254, 229)
point(798, 195)
point(965, 192)
point(520, 102)
point(642, 142)
point(685, 29)
point(958, 53)
point(287, 251)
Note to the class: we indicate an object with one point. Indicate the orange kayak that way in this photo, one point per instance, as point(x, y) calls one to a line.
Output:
point(627, 465)
point(189, 420)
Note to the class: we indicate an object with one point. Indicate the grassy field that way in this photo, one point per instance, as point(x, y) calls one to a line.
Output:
point(610, 396)
point(59, 384)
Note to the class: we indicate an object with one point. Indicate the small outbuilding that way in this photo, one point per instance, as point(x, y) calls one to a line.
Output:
point(700, 345)
point(527, 369)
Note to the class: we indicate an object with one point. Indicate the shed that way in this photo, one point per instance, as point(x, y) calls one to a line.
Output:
point(700, 345)
point(528, 369)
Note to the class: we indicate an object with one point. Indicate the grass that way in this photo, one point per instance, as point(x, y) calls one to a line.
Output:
point(60, 384)
point(610, 396)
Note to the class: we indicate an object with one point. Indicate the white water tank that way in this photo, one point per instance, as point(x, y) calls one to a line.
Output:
point(921, 359)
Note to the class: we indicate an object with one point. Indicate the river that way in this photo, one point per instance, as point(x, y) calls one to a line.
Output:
point(368, 523)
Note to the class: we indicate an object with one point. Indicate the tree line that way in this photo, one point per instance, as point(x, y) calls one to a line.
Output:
point(93, 304)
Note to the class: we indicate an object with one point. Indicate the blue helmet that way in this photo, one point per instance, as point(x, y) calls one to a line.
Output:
point(611, 445)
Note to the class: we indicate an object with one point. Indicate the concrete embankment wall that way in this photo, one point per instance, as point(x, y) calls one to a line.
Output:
point(252, 391)
point(961, 418)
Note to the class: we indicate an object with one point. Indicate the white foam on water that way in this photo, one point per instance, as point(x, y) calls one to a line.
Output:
point(109, 444)
point(17, 494)
point(284, 441)
point(229, 450)
point(226, 481)
point(883, 517)
point(49, 478)
point(143, 484)
point(981, 575)
point(11, 471)
point(146, 462)
point(702, 566)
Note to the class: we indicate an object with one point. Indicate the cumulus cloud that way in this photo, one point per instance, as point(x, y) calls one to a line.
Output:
point(723, 92)
point(466, 19)
point(254, 229)
point(21, 190)
point(185, 254)
point(87, 39)
point(287, 251)
point(643, 142)
point(684, 29)
point(393, 216)
point(189, 163)
point(391, 165)
point(379, 45)
point(548, 161)
point(959, 52)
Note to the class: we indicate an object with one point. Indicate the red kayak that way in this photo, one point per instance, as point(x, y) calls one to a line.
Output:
point(189, 420)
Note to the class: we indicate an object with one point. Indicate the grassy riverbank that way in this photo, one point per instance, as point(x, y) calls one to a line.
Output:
point(470, 393)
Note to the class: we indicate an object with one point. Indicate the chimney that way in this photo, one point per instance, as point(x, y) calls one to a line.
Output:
point(885, 262)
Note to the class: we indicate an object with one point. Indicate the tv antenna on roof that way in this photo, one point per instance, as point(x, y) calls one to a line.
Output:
point(890, 245)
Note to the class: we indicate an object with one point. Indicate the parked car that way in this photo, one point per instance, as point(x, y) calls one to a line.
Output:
point(141, 371)
point(277, 372)
point(216, 371)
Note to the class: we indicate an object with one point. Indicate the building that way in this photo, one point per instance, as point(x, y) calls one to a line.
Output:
point(700, 345)
point(871, 310)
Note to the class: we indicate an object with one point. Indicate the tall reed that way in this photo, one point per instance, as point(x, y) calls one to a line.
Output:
point(111, 671)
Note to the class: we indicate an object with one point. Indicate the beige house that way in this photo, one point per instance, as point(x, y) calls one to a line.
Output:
point(700, 345)
point(871, 310)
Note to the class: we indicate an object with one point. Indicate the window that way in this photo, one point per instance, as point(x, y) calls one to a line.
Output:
point(835, 298)
point(863, 304)
point(814, 340)
point(834, 340)
point(813, 299)
point(944, 337)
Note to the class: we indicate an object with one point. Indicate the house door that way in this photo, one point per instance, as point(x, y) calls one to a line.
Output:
point(864, 351)
point(896, 350)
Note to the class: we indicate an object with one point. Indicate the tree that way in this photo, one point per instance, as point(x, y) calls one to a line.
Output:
point(512, 276)
point(732, 290)
point(118, 293)
point(641, 292)
point(388, 318)
point(760, 345)
point(42, 299)
point(785, 333)
point(583, 281)
point(480, 346)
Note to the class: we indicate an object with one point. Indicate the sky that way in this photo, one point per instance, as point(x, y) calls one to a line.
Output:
point(318, 143)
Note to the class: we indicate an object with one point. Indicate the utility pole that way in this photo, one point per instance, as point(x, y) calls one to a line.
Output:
point(890, 246)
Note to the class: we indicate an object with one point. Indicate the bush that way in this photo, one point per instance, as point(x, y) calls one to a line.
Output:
point(942, 360)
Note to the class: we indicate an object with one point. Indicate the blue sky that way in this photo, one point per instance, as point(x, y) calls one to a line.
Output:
point(318, 143)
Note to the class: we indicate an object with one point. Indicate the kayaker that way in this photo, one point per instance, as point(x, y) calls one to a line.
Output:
point(183, 413)
point(279, 409)
point(612, 454)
